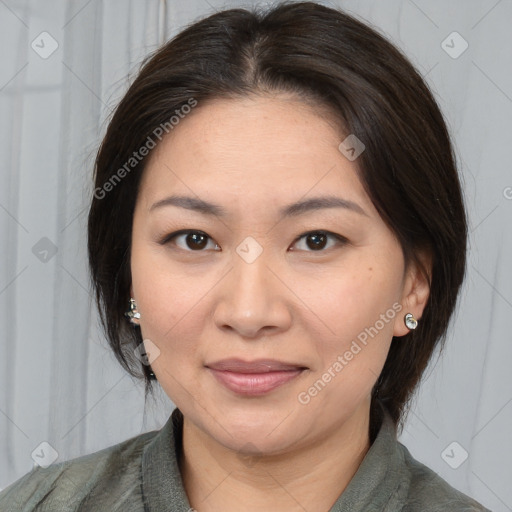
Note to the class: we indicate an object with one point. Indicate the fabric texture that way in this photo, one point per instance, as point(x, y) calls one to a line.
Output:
point(142, 474)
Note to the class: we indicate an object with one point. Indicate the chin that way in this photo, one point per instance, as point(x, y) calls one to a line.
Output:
point(256, 430)
point(255, 444)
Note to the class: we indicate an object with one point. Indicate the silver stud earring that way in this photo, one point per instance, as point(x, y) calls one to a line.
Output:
point(410, 321)
point(133, 314)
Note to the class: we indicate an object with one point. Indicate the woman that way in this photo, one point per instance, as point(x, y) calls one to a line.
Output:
point(278, 236)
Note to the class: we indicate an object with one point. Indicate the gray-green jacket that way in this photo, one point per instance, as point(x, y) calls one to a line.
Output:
point(142, 474)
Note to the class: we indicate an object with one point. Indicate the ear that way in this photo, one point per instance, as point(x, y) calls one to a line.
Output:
point(415, 292)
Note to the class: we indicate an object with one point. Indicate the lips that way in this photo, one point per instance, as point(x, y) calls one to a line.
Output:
point(254, 377)
point(258, 366)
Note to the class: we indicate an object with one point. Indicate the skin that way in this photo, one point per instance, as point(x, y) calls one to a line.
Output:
point(294, 302)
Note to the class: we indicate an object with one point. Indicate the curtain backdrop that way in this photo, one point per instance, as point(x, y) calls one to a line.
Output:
point(65, 64)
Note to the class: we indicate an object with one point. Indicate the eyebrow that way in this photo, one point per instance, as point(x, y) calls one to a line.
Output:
point(292, 210)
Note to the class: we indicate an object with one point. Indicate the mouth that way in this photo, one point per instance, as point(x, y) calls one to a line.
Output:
point(254, 378)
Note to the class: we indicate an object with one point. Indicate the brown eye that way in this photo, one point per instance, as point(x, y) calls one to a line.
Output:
point(189, 240)
point(317, 241)
point(196, 241)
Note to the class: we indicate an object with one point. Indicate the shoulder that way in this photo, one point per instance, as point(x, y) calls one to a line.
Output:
point(428, 492)
point(65, 485)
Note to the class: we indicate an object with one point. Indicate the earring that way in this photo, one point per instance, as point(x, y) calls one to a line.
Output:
point(410, 321)
point(133, 313)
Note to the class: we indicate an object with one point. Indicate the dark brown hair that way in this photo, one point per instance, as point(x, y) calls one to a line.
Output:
point(321, 55)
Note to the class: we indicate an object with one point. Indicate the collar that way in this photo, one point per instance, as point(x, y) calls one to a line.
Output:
point(377, 485)
point(380, 483)
point(162, 486)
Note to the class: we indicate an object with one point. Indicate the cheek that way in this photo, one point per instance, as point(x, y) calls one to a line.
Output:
point(353, 300)
point(173, 312)
point(166, 298)
point(170, 309)
point(356, 310)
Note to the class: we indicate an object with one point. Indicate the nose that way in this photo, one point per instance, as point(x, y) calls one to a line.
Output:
point(252, 300)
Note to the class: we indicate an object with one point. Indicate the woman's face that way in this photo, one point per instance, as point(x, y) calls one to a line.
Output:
point(273, 317)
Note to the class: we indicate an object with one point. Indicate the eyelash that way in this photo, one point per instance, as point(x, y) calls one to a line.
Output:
point(340, 239)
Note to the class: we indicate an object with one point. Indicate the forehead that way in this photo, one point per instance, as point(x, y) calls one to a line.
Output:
point(266, 147)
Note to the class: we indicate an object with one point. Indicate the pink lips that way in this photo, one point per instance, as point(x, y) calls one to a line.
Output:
point(254, 377)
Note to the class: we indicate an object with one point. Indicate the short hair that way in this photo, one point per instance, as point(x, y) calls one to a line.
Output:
point(329, 58)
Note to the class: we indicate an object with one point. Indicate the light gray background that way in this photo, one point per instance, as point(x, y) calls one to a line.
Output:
point(58, 381)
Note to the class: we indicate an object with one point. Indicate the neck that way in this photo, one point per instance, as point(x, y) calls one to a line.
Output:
point(309, 478)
